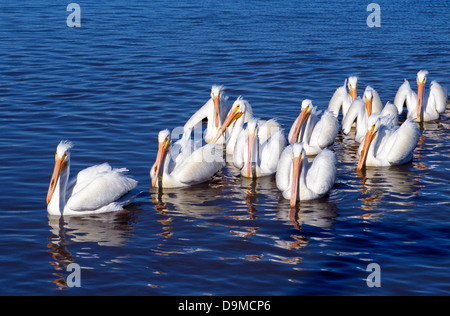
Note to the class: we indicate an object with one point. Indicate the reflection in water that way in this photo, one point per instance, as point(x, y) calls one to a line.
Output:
point(196, 201)
point(109, 229)
point(397, 183)
point(318, 213)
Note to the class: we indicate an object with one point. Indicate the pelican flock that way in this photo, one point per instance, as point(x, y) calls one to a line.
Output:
point(303, 162)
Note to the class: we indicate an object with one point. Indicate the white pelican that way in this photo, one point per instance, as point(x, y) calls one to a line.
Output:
point(361, 111)
point(387, 144)
point(315, 134)
point(185, 166)
point(422, 108)
point(214, 111)
point(240, 113)
point(300, 180)
point(97, 189)
point(342, 99)
point(256, 154)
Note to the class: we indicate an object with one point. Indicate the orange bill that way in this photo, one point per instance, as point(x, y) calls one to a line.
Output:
point(232, 116)
point(369, 138)
point(303, 117)
point(297, 165)
point(162, 148)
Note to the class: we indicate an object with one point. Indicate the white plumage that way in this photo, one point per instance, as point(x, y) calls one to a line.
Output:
point(342, 99)
point(315, 133)
point(214, 110)
point(97, 189)
point(386, 144)
point(188, 165)
point(421, 107)
point(258, 148)
point(300, 180)
point(240, 113)
point(360, 111)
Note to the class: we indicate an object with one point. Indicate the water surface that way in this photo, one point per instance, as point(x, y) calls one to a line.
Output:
point(133, 69)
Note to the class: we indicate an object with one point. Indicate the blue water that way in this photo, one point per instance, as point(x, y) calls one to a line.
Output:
point(134, 68)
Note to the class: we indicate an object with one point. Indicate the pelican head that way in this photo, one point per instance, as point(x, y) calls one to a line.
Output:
point(303, 117)
point(352, 87)
point(252, 131)
point(421, 79)
point(237, 110)
point(298, 154)
point(164, 141)
point(62, 159)
point(368, 97)
point(216, 95)
point(373, 127)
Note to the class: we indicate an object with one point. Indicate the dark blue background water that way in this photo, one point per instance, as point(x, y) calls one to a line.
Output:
point(134, 68)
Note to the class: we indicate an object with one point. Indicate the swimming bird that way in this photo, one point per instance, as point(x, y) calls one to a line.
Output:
point(185, 165)
point(214, 110)
point(256, 154)
point(240, 113)
point(360, 111)
point(97, 189)
point(421, 107)
point(386, 144)
point(300, 180)
point(342, 99)
point(316, 133)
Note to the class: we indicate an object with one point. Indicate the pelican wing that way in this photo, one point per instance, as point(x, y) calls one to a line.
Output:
point(99, 186)
point(200, 166)
point(284, 174)
point(404, 140)
point(271, 151)
point(266, 129)
point(390, 110)
point(437, 97)
point(325, 130)
point(322, 173)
